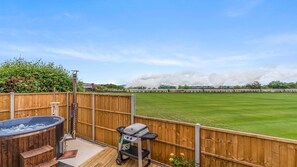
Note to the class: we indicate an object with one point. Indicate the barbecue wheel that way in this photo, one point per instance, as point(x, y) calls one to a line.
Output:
point(119, 160)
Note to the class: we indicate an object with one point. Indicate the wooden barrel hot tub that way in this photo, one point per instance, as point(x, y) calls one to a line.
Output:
point(25, 134)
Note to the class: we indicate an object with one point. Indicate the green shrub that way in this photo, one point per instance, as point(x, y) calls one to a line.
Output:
point(19, 75)
point(180, 161)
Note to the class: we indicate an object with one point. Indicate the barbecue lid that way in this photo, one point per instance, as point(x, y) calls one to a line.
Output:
point(134, 128)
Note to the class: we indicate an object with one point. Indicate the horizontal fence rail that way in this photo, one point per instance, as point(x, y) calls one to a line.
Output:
point(100, 114)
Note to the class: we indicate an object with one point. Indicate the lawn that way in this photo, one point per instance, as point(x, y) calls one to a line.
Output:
point(273, 114)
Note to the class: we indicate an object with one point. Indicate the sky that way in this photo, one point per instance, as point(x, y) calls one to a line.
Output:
point(153, 42)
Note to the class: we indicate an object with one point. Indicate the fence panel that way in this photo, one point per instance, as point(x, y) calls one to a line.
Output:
point(4, 106)
point(84, 124)
point(111, 111)
point(219, 146)
point(173, 137)
point(36, 104)
point(62, 98)
point(32, 104)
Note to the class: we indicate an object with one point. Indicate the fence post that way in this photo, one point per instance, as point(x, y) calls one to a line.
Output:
point(93, 117)
point(67, 110)
point(132, 108)
point(11, 105)
point(197, 145)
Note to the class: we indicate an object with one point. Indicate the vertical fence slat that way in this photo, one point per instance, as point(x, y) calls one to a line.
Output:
point(133, 103)
point(93, 117)
point(197, 145)
point(67, 110)
point(11, 105)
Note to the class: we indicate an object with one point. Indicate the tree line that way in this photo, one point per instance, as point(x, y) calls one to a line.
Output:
point(253, 85)
point(19, 75)
point(271, 85)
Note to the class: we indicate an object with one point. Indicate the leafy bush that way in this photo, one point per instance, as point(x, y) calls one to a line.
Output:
point(180, 161)
point(19, 75)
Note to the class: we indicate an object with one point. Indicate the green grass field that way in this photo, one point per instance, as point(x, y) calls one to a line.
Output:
point(273, 114)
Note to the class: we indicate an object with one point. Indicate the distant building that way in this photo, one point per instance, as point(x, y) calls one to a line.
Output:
point(89, 86)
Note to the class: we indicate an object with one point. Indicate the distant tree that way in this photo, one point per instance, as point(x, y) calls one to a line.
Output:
point(19, 75)
point(292, 85)
point(224, 87)
point(254, 85)
point(100, 87)
point(80, 86)
point(183, 87)
point(137, 87)
point(166, 87)
point(237, 87)
point(277, 85)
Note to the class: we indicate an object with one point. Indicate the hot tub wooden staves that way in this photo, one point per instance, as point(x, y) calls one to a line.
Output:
point(12, 146)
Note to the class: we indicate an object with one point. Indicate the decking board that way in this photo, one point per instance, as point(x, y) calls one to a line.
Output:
point(107, 158)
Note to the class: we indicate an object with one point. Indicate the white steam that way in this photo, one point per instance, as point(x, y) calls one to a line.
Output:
point(263, 75)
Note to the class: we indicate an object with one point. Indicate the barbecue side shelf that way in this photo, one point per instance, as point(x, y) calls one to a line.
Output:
point(133, 152)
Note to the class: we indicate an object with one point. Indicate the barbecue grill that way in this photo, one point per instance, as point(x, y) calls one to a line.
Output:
point(134, 133)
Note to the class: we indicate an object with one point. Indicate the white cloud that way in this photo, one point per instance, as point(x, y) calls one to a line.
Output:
point(71, 15)
point(64, 16)
point(243, 9)
point(263, 75)
point(166, 58)
point(235, 58)
point(285, 38)
point(117, 54)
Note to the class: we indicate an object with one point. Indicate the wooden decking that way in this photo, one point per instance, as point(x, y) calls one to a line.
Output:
point(107, 158)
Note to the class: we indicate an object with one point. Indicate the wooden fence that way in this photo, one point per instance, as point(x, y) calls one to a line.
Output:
point(173, 137)
point(100, 114)
point(32, 104)
point(221, 147)
point(4, 106)
point(110, 112)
